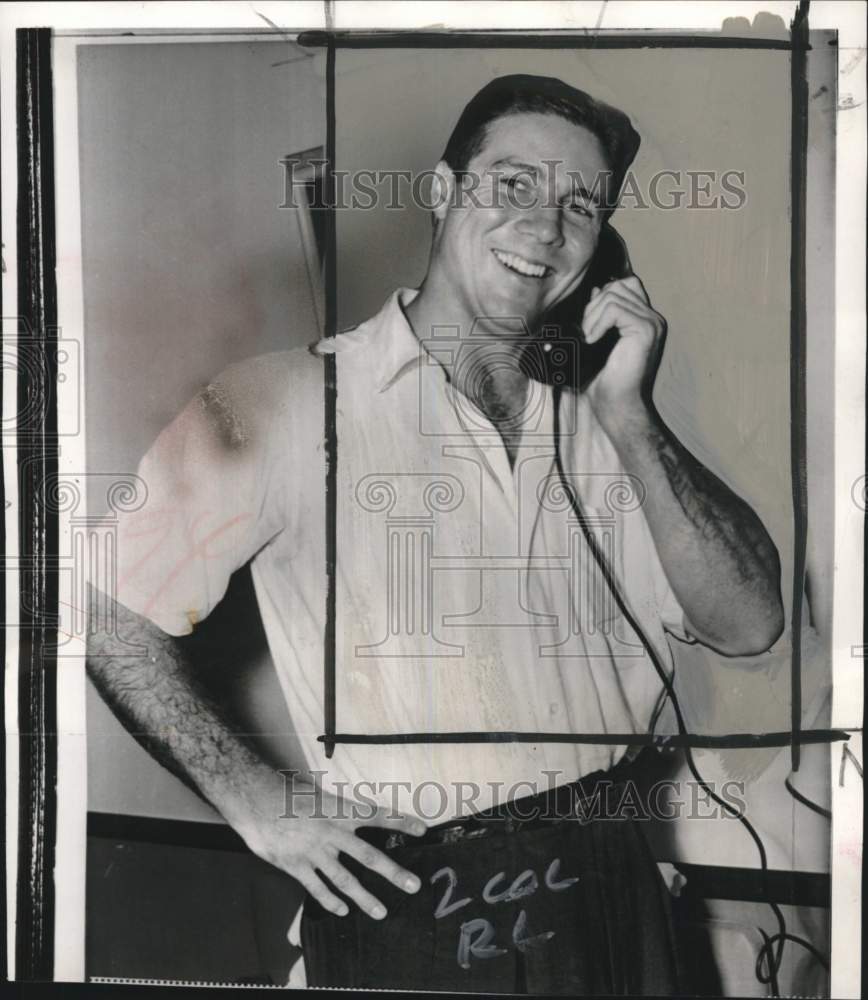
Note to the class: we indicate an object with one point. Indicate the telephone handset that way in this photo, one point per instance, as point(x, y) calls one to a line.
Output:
point(570, 362)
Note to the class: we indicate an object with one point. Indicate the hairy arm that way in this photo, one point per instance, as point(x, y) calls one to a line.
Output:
point(721, 563)
point(164, 703)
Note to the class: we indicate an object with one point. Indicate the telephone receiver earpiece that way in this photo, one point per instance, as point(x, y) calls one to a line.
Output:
point(560, 356)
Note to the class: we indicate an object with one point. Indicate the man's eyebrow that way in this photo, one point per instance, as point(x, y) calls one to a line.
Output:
point(509, 161)
point(575, 187)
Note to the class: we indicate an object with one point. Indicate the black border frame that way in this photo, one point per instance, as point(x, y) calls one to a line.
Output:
point(798, 45)
point(37, 450)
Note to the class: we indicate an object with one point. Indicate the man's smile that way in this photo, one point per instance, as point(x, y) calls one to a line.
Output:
point(520, 265)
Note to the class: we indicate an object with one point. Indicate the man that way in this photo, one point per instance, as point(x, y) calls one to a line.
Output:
point(466, 600)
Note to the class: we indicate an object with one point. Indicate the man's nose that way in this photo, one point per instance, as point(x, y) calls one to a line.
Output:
point(544, 223)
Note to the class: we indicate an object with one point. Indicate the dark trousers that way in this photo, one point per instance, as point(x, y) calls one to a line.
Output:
point(558, 902)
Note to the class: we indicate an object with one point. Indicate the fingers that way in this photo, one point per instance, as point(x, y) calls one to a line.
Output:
point(350, 886)
point(632, 282)
point(617, 290)
point(328, 864)
point(630, 285)
point(622, 304)
point(626, 315)
point(312, 856)
point(396, 821)
point(628, 288)
point(317, 888)
point(380, 863)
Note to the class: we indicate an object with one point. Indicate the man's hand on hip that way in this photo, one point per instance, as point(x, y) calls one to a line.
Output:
point(308, 844)
point(166, 704)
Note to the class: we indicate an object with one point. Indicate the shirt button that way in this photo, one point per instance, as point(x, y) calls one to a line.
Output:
point(554, 707)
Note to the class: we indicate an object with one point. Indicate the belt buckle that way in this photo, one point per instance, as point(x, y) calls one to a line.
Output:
point(580, 799)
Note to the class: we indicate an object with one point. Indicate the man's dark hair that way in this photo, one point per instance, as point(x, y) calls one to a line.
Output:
point(518, 93)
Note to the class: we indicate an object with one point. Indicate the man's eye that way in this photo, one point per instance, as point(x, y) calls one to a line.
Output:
point(515, 183)
point(577, 208)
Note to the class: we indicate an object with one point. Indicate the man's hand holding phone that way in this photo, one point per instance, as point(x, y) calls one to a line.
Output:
point(623, 388)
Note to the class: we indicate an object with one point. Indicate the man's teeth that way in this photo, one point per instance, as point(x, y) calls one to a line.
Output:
point(520, 265)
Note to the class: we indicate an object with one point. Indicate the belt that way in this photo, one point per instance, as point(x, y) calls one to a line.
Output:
point(563, 803)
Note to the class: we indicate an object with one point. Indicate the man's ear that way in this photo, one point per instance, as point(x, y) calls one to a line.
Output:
point(443, 190)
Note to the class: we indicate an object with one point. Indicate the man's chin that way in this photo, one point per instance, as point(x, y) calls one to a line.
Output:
point(526, 308)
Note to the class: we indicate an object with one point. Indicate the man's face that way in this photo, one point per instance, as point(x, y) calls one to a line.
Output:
point(526, 254)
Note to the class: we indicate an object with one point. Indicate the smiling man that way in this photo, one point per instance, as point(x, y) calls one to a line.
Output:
point(467, 599)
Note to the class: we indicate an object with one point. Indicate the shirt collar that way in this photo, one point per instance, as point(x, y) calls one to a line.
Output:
point(393, 350)
point(400, 350)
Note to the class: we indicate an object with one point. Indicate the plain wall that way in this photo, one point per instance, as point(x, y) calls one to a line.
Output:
point(188, 264)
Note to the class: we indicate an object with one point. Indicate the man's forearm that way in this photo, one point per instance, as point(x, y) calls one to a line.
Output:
point(719, 559)
point(158, 699)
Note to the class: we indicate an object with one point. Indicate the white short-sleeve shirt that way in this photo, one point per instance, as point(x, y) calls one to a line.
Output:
point(466, 597)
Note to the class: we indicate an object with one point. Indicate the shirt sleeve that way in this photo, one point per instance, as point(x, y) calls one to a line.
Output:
point(213, 499)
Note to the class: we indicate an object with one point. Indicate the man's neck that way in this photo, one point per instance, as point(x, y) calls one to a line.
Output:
point(487, 366)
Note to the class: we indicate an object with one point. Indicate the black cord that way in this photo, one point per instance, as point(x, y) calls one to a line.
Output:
point(779, 939)
point(769, 940)
point(813, 806)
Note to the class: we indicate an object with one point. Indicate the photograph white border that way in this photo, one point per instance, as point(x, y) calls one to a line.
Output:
point(84, 19)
